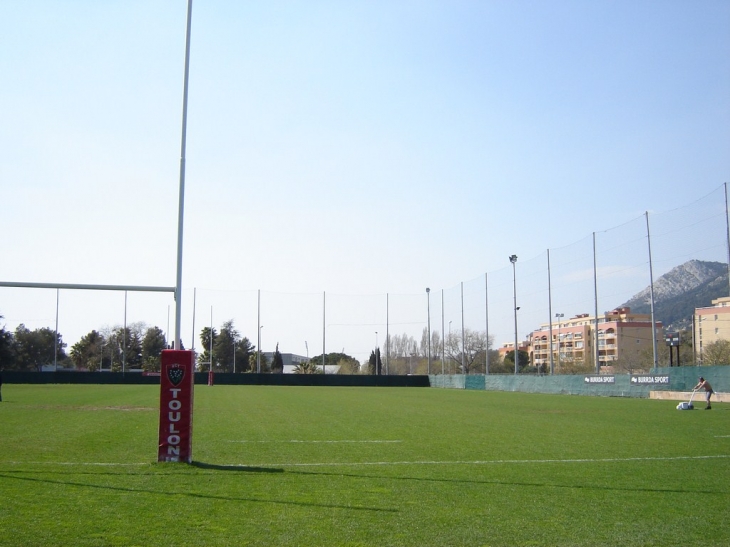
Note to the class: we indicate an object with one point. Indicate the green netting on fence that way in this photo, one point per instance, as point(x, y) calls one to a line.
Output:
point(680, 379)
point(453, 381)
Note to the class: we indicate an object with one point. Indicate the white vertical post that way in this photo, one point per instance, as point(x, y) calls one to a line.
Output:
point(387, 333)
point(195, 297)
point(324, 330)
point(181, 197)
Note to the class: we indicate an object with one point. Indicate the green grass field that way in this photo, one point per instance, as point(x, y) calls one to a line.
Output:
point(361, 467)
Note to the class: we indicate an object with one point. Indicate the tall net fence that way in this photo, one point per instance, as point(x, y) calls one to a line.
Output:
point(597, 273)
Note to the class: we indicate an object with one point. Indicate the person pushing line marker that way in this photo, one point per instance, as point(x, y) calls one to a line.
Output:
point(704, 384)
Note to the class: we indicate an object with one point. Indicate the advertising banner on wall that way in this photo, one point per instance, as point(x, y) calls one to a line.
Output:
point(599, 379)
point(176, 406)
point(646, 379)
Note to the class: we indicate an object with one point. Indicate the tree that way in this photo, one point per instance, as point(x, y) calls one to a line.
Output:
point(126, 347)
point(224, 347)
point(332, 360)
point(244, 350)
point(435, 344)
point(716, 353)
point(253, 361)
point(277, 363)
point(206, 361)
point(87, 352)
point(7, 349)
point(153, 343)
point(524, 360)
point(231, 352)
point(375, 364)
point(347, 366)
point(569, 365)
point(400, 347)
point(472, 348)
point(308, 367)
point(37, 348)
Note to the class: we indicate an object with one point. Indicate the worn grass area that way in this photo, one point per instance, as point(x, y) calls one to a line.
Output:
point(360, 467)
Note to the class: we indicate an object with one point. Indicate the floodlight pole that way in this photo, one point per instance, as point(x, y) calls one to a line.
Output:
point(181, 198)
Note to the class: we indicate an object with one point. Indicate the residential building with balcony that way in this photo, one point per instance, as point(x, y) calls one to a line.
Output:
point(620, 334)
point(711, 324)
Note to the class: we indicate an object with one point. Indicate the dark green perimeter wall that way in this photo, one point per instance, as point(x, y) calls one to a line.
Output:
point(219, 378)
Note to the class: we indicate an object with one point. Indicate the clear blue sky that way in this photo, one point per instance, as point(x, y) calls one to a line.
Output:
point(356, 148)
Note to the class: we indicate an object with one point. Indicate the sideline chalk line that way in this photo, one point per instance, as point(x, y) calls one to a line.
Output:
point(315, 442)
point(417, 462)
point(493, 462)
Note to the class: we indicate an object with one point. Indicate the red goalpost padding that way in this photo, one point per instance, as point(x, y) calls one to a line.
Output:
point(176, 406)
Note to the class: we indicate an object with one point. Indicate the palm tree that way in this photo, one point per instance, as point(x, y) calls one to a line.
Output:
point(307, 368)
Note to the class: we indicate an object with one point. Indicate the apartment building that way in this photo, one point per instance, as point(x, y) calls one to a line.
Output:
point(711, 324)
point(510, 346)
point(620, 334)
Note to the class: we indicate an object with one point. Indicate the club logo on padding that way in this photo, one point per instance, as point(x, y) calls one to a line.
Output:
point(175, 373)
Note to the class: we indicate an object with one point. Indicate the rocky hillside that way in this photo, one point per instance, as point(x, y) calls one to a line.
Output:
point(677, 293)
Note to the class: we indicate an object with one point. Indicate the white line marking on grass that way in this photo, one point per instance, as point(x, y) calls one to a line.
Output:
point(423, 462)
point(98, 464)
point(487, 462)
point(314, 442)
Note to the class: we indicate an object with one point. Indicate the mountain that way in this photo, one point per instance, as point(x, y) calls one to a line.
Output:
point(694, 284)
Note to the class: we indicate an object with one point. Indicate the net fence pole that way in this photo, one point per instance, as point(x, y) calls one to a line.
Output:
point(595, 306)
point(463, 334)
point(651, 295)
point(443, 335)
point(55, 336)
point(727, 232)
point(550, 315)
point(486, 323)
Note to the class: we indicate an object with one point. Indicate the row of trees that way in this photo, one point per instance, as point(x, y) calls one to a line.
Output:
point(113, 349)
point(119, 348)
point(226, 350)
point(27, 349)
point(457, 353)
point(138, 347)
